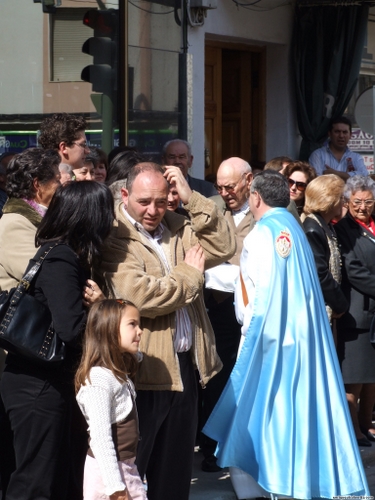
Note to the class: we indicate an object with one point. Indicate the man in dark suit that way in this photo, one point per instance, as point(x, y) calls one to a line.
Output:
point(178, 152)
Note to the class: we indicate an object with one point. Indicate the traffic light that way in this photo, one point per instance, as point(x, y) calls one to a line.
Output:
point(48, 6)
point(103, 46)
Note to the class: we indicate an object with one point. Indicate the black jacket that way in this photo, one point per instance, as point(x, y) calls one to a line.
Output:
point(358, 254)
point(59, 285)
point(317, 236)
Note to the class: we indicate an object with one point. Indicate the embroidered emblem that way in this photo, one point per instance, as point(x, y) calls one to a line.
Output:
point(284, 244)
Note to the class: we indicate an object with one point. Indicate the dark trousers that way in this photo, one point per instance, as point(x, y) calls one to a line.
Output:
point(39, 410)
point(227, 335)
point(7, 458)
point(168, 425)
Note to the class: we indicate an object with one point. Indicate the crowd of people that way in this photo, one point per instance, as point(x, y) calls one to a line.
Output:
point(237, 314)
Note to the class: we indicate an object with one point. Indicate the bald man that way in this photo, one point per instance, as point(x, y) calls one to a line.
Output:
point(234, 177)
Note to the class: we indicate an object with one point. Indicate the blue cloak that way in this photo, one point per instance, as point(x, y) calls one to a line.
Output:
point(283, 416)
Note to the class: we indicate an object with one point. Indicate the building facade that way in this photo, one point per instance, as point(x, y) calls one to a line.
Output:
point(215, 72)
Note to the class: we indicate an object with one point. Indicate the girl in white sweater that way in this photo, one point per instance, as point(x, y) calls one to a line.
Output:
point(106, 397)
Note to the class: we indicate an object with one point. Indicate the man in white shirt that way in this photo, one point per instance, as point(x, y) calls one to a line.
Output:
point(335, 157)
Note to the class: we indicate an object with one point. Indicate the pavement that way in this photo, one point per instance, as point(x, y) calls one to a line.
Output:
point(210, 485)
point(217, 485)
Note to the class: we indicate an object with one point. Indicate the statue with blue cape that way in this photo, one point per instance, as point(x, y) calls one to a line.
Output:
point(282, 421)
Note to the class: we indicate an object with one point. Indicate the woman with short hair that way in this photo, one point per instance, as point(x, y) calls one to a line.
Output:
point(356, 235)
point(323, 202)
point(100, 161)
point(299, 175)
point(32, 179)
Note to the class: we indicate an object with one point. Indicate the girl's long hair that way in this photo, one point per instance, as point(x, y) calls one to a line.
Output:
point(101, 343)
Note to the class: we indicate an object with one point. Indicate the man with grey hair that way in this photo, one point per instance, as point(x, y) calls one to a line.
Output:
point(66, 172)
point(177, 152)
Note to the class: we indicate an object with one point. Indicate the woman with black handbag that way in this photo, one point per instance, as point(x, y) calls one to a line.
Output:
point(39, 400)
point(32, 178)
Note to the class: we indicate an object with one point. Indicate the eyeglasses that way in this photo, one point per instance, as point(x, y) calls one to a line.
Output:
point(229, 189)
point(301, 186)
point(358, 203)
point(83, 145)
point(177, 157)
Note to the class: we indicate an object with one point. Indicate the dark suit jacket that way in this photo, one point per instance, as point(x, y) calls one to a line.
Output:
point(203, 187)
point(358, 284)
point(317, 236)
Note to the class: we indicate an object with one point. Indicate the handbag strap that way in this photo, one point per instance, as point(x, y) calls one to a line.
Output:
point(30, 275)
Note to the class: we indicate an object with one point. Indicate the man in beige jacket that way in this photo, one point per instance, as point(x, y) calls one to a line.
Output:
point(156, 259)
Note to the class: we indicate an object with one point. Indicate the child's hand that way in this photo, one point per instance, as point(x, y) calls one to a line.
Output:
point(120, 495)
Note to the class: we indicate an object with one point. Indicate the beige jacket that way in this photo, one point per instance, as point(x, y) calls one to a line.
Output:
point(18, 226)
point(132, 270)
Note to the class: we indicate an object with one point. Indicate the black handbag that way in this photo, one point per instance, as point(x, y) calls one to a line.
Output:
point(26, 327)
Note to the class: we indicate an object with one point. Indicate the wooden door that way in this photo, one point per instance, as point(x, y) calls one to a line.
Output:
point(234, 104)
point(212, 110)
point(236, 109)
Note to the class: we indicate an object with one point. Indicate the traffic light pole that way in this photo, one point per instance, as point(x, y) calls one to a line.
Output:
point(182, 77)
point(107, 120)
point(124, 92)
point(103, 73)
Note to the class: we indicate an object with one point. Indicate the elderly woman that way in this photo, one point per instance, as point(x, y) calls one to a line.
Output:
point(323, 202)
point(32, 179)
point(356, 234)
point(299, 175)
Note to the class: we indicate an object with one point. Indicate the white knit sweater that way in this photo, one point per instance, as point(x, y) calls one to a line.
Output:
point(103, 402)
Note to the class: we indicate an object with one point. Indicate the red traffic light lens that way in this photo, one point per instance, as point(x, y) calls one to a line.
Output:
point(102, 21)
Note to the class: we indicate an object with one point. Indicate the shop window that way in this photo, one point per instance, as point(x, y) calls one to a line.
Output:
point(68, 33)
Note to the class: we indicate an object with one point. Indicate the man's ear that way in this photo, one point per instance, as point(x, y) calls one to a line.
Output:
point(249, 178)
point(125, 196)
point(257, 199)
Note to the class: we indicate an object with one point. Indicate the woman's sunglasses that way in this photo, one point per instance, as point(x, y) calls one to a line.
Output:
point(301, 186)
